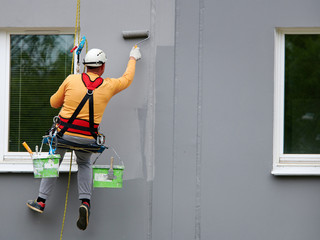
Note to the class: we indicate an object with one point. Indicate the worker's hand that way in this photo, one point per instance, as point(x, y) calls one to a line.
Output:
point(135, 53)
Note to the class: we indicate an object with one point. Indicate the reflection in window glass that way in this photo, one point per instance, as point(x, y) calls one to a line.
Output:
point(39, 64)
point(302, 94)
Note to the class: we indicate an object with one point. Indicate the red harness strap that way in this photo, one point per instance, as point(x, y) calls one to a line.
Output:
point(80, 126)
point(89, 84)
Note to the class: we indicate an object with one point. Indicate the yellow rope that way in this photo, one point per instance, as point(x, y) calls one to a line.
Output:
point(76, 32)
point(76, 35)
point(67, 194)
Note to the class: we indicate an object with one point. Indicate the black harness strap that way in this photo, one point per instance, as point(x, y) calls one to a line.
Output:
point(89, 96)
point(91, 115)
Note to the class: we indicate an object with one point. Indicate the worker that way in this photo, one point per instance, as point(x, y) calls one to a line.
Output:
point(69, 96)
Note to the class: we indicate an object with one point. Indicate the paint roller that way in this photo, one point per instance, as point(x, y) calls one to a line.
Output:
point(136, 34)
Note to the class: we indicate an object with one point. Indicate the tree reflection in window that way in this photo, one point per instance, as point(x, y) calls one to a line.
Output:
point(38, 65)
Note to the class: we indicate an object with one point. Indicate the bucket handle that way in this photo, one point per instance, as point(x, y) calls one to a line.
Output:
point(120, 160)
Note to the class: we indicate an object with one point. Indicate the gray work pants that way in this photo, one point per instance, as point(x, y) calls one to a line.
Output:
point(84, 171)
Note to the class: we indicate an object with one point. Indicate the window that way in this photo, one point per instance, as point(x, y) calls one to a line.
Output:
point(297, 102)
point(34, 65)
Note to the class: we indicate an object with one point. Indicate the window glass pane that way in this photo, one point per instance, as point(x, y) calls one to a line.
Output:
point(39, 64)
point(302, 94)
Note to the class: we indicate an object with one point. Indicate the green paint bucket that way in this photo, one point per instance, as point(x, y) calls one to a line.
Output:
point(101, 179)
point(46, 166)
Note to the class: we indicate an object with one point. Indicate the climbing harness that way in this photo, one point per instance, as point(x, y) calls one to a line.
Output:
point(80, 126)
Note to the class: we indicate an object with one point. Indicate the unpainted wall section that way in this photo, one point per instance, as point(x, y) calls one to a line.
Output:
point(239, 197)
point(220, 127)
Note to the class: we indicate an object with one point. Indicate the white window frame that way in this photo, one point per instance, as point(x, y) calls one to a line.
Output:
point(287, 164)
point(19, 161)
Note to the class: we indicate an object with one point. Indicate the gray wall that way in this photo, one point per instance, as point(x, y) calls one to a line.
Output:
point(196, 124)
point(214, 127)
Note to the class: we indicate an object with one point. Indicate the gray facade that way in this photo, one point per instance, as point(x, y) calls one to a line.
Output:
point(195, 128)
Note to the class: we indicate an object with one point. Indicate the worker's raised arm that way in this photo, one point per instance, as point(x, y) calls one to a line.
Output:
point(127, 78)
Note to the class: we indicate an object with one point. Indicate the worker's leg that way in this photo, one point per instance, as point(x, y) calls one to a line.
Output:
point(47, 184)
point(84, 187)
point(84, 167)
point(84, 180)
point(84, 175)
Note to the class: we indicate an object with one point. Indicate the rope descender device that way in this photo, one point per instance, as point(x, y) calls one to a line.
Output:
point(78, 52)
point(51, 137)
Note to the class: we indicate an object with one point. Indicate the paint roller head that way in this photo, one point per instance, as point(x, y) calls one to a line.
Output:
point(135, 34)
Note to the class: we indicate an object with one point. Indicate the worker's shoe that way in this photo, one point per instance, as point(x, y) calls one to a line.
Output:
point(36, 206)
point(84, 213)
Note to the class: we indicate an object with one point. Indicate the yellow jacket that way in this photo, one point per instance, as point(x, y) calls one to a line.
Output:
point(72, 91)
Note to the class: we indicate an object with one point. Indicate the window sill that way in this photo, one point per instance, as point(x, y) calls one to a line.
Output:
point(28, 168)
point(296, 170)
point(21, 163)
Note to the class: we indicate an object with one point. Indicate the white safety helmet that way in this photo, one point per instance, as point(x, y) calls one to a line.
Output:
point(95, 58)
